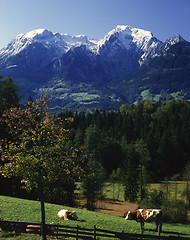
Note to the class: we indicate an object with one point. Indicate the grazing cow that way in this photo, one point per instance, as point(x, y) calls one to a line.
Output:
point(146, 215)
point(66, 214)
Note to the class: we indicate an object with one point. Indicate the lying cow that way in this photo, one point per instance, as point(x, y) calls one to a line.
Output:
point(67, 215)
point(146, 215)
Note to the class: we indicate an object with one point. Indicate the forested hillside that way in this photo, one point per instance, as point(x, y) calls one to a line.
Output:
point(165, 76)
point(163, 129)
point(134, 145)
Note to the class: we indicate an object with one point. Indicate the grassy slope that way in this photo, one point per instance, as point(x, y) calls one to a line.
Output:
point(26, 210)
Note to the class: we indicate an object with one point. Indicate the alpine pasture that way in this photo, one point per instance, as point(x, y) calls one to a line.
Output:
point(27, 210)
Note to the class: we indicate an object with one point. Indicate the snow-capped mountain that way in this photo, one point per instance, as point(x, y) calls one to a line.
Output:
point(41, 60)
point(40, 55)
point(128, 37)
point(169, 42)
point(41, 46)
point(120, 52)
point(60, 42)
point(37, 49)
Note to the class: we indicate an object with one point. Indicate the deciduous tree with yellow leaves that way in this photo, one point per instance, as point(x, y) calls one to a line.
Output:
point(34, 150)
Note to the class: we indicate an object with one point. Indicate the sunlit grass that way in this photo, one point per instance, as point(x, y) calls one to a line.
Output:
point(29, 211)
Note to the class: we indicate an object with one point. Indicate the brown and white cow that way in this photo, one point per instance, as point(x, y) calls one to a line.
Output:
point(67, 215)
point(146, 215)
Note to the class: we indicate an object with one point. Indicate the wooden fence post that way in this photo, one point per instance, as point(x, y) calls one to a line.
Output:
point(77, 232)
point(57, 231)
point(94, 231)
point(43, 227)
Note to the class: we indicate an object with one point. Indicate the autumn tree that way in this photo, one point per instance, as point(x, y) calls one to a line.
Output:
point(36, 152)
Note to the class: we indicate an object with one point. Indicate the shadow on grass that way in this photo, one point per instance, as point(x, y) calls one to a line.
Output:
point(167, 232)
point(4, 234)
point(82, 220)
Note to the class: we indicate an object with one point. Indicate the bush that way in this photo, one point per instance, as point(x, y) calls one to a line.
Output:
point(155, 199)
point(175, 211)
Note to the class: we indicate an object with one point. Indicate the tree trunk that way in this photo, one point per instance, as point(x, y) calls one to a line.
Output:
point(43, 230)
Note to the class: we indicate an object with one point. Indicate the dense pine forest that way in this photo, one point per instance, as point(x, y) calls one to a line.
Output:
point(162, 129)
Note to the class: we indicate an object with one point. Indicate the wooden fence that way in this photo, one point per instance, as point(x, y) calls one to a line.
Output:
point(60, 231)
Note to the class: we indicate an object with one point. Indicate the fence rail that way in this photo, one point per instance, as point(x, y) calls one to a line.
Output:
point(78, 232)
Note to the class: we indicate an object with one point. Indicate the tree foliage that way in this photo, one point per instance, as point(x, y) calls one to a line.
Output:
point(93, 183)
point(36, 151)
point(131, 172)
point(163, 128)
point(8, 94)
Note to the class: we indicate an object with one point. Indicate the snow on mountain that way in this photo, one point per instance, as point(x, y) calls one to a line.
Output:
point(171, 41)
point(40, 57)
point(126, 36)
point(167, 44)
point(61, 43)
point(120, 52)
point(43, 36)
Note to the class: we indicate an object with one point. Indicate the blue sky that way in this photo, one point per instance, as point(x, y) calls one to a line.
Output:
point(94, 18)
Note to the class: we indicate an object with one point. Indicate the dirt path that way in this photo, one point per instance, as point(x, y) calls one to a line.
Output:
point(116, 208)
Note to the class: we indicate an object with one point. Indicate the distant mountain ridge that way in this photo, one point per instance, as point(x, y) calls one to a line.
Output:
point(77, 71)
point(165, 76)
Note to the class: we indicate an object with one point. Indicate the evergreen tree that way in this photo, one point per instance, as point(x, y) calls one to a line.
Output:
point(79, 138)
point(93, 183)
point(131, 172)
point(144, 160)
point(8, 94)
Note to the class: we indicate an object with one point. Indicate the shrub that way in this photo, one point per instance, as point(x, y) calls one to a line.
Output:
point(175, 211)
point(155, 199)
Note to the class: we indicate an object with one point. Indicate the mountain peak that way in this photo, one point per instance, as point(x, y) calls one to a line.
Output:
point(121, 28)
point(38, 34)
point(127, 37)
point(175, 39)
point(169, 42)
point(43, 61)
point(126, 29)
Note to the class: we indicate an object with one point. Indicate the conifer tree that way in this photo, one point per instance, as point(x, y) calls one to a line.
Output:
point(8, 94)
point(131, 172)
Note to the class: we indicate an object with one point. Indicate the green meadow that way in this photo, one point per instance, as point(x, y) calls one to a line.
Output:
point(26, 210)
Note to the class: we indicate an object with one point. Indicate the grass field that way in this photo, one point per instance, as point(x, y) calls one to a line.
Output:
point(173, 189)
point(29, 211)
